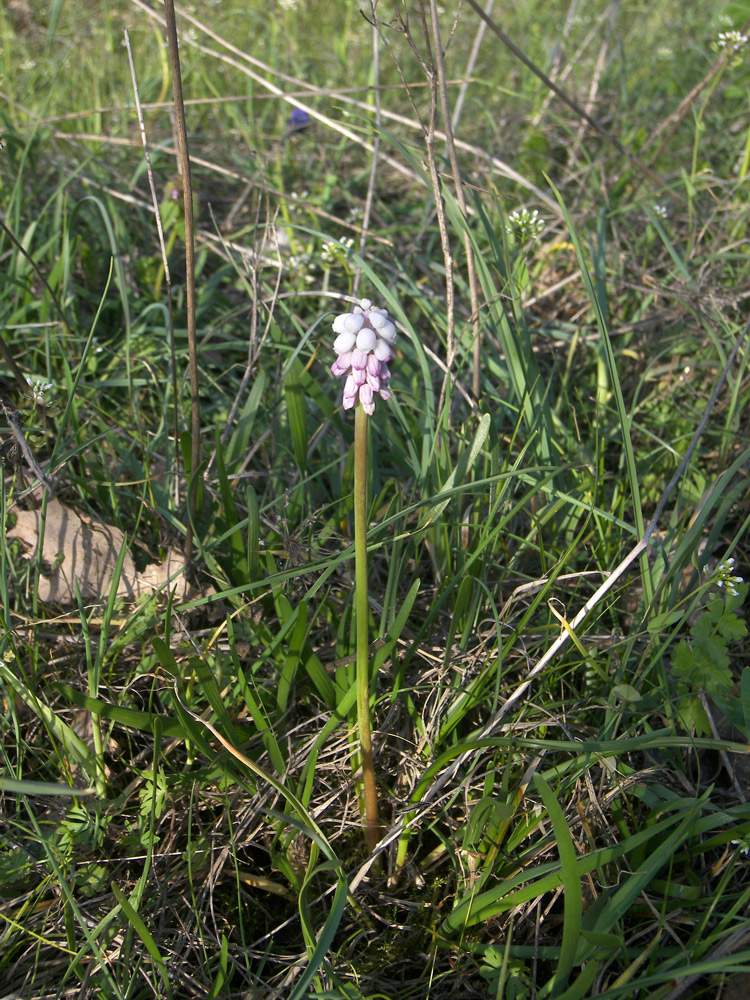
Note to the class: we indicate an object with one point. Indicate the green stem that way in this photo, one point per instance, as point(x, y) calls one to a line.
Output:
point(370, 792)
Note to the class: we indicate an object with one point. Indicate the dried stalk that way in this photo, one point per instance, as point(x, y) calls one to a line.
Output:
point(187, 194)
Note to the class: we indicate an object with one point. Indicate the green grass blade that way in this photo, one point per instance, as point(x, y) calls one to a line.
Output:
point(145, 935)
point(571, 883)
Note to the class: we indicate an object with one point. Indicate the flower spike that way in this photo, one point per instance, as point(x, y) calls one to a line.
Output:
point(363, 347)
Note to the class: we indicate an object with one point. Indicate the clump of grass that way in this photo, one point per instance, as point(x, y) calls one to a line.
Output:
point(560, 691)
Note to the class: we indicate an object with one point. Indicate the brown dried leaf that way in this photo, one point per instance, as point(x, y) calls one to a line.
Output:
point(74, 548)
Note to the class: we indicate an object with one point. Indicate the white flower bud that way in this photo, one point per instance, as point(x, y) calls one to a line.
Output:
point(382, 350)
point(366, 339)
point(348, 323)
point(388, 332)
point(344, 342)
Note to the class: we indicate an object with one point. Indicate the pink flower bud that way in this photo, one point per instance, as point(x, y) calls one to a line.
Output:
point(341, 365)
point(350, 393)
point(366, 399)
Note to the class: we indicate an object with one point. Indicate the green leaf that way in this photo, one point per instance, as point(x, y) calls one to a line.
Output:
point(731, 627)
point(625, 692)
point(660, 623)
point(703, 666)
point(295, 406)
point(571, 880)
point(693, 716)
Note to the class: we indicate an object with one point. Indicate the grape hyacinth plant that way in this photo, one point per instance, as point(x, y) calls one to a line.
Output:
point(363, 346)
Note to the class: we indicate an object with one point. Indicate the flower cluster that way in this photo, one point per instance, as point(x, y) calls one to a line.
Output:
point(38, 389)
point(525, 225)
point(660, 211)
point(731, 39)
point(332, 252)
point(365, 338)
point(726, 577)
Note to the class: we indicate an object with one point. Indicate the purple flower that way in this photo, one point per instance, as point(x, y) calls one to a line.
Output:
point(363, 345)
point(298, 121)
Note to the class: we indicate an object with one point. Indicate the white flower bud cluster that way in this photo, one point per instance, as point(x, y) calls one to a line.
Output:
point(731, 39)
point(525, 225)
point(725, 576)
point(38, 388)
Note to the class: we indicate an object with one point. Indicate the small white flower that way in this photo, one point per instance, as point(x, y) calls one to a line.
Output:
point(726, 577)
point(664, 53)
point(660, 211)
point(334, 251)
point(525, 225)
point(731, 39)
point(39, 388)
point(298, 263)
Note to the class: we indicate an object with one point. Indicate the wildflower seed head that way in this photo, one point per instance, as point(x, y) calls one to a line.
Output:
point(525, 225)
point(363, 348)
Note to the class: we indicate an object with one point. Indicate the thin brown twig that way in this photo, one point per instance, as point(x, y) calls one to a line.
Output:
point(369, 197)
point(11, 417)
point(187, 193)
point(736, 941)
point(460, 198)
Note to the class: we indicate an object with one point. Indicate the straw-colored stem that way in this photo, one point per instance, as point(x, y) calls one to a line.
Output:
point(370, 793)
point(183, 159)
